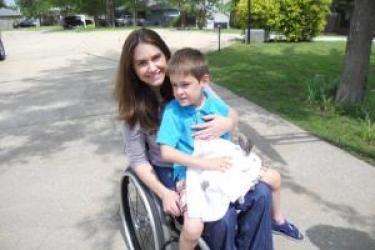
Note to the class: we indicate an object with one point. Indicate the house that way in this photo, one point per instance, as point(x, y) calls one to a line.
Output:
point(8, 17)
point(218, 18)
point(162, 15)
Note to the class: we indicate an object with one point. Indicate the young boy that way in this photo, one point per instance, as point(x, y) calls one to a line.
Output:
point(189, 76)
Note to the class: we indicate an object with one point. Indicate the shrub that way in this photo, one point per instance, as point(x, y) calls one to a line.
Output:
point(263, 13)
point(298, 20)
point(301, 20)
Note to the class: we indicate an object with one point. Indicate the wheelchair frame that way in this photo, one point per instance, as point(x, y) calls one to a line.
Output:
point(142, 215)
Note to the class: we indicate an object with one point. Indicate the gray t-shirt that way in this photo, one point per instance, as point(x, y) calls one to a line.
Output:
point(141, 146)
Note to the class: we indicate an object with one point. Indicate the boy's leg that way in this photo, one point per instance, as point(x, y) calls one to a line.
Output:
point(273, 179)
point(221, 234)
point(279, 224)
point(191, 232)
point(254, 220)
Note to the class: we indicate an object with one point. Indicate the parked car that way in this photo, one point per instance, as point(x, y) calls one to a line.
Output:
point(77, 20)
point(128, 20)
point(124, 21)
point(141, 21)
point(2, 50)
point(28, 22)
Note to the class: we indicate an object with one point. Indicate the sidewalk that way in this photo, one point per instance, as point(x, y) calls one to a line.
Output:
point(327, 192)
point(61, 155)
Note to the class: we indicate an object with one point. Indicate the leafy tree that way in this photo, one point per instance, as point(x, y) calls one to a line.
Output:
point(203, 10)
point(342, 5)
point(93, 8)
point(184, 6)
point(33, 8)
point(352, 88)
point(2, 4)
point(67, 7)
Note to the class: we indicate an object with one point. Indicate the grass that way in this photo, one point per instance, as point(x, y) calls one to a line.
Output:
point(275, 76)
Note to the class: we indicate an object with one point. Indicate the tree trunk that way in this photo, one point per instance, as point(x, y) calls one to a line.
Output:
point(110, 9)
point(353, 82)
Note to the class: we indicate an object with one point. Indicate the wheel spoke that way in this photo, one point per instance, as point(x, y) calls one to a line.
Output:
point(140, 219)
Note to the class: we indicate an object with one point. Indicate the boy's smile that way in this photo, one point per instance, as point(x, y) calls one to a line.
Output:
point(187, 89)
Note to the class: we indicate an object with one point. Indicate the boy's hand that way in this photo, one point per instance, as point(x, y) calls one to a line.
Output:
point(220, 164)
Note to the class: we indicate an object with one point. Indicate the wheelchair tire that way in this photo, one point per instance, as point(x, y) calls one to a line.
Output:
point(144, 225)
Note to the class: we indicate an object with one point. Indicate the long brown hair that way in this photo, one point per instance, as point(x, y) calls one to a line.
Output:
point(137, 102)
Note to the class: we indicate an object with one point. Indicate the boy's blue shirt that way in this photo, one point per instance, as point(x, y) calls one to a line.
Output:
point(175, 128)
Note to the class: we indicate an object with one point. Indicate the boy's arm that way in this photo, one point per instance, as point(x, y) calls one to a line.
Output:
point(172, 155)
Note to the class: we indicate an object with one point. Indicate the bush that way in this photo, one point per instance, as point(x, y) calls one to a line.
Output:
point(301, 20)
point(298, 20)
point(263, 13)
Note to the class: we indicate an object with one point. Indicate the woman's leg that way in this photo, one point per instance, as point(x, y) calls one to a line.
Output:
point(254, 221)
point(220, 235)
point(165, 175)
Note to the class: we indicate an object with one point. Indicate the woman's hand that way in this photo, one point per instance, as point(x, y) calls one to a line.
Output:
point(170, 202)
point(214, 127)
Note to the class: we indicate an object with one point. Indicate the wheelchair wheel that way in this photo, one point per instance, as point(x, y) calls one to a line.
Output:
point(145, 226)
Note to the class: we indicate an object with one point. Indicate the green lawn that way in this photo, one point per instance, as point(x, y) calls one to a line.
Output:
point(275, 76)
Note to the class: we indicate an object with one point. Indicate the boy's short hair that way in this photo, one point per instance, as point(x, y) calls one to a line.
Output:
point(188, 61)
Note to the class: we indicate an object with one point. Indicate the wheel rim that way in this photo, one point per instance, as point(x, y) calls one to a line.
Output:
point(140, 218)
point(138, 215)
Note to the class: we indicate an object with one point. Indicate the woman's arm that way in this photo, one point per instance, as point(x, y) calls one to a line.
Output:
point(135, 142)
point(169, 198)
point(172, 155)
point(215, 125)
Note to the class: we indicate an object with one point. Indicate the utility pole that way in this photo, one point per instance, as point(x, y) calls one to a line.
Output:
point(248, 20)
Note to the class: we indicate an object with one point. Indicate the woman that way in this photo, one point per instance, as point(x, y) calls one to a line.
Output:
point(142, 89)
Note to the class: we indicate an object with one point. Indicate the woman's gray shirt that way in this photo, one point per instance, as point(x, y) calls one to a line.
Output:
point(141, 147)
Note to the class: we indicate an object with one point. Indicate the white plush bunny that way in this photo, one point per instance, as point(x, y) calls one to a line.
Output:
point(208, 192)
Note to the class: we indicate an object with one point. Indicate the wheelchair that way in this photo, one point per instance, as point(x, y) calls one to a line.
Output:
point(144, 225)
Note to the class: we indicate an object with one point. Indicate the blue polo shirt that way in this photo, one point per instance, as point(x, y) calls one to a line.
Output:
point(175, 128)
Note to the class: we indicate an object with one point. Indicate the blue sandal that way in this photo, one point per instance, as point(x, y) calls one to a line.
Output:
point(287, 229)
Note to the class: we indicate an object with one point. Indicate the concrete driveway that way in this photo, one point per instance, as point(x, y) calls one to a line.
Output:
point(61, 154)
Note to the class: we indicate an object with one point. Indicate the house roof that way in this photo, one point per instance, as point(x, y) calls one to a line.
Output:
point(5, 12)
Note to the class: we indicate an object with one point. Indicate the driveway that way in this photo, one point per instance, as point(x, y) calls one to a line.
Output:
point(61, 154)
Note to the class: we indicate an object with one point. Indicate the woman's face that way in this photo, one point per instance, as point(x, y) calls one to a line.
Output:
point(149, 64)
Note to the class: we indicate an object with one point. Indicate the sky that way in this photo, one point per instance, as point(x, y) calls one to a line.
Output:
point(10, 2)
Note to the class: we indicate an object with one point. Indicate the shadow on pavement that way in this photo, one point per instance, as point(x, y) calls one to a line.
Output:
point(273, 159)
point(63, 109)
point(327, 237)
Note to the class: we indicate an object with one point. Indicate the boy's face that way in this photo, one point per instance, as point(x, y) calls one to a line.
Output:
point(187, 89)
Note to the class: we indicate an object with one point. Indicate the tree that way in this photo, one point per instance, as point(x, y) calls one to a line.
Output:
point(110, 13)
point(33, 8)
point(352, 88)
point(93, 8)
point(2, 4)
